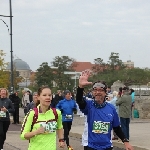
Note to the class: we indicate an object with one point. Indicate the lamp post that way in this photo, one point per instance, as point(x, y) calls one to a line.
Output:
point(11, 50)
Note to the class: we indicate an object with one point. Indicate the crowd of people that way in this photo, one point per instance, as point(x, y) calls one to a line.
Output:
point(47, 114)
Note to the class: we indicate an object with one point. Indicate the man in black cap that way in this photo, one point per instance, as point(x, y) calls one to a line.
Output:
point(67, 106)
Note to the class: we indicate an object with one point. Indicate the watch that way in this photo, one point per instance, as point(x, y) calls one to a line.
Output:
point(125, 140)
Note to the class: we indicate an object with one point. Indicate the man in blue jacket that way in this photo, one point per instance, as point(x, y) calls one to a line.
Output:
point(67, 106)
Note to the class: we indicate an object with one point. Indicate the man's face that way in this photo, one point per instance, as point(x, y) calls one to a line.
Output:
point(99, 94)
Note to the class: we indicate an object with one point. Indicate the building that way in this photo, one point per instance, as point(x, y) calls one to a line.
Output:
point(129, 64)
point(81, 66)
point(24, 71)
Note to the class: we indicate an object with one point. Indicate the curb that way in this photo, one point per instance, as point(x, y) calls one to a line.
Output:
point(115, 143)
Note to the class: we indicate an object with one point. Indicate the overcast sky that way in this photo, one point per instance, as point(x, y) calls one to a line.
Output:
point(81, 29)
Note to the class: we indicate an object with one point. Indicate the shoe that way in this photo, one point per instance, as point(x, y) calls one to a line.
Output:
point(70, 148)
point(13, 123)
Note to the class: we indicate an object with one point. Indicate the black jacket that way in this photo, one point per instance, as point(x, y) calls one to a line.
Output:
point(6, 102)
point(15, 100)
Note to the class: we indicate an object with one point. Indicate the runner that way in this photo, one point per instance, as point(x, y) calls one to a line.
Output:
point(6, 107)
point(40, 124)
point(101, 116)
point(67, 107)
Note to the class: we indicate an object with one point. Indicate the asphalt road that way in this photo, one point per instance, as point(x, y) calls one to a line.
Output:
point(75, 142)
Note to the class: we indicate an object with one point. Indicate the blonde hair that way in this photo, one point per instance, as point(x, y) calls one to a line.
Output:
point(7, 94)
point(115, 93)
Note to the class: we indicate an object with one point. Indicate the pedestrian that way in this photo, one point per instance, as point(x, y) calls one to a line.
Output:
point(57, 98)
point(113, 102)
point(124, 104)
point(101, 116)
point(41, 123)
point(6, 107)
point(34, 103)
point(67, 107)
point(16, 102)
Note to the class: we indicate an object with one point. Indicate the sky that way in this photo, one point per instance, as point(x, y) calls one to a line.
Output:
point(81, 29)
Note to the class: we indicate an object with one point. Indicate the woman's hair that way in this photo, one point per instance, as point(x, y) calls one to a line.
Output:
point(115, 93)
point(7, 94)
point(41, 89)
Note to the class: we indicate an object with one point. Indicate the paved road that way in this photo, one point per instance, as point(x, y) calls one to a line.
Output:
point(75, 142)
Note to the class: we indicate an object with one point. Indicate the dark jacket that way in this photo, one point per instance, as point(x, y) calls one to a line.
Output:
point(56, 100)
point(6, 102)
point(15, 100)
point(30, 106)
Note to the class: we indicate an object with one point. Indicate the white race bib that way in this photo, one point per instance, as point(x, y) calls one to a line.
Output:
point(2, 114)
point(68, 117)
point(50, 127)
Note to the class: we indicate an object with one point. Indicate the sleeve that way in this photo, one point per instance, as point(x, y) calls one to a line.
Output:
point(28, 107)
point(116, 121)
point(11, 107)
point(58, 106)
point(59, 121)
point(26, 125)
point(119, 101)
point(79, 98)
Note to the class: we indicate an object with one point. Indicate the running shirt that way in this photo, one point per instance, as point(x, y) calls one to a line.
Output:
point(47, 140)
point(100, 123)
point(67, 107)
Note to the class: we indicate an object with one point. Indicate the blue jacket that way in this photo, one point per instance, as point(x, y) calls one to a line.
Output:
point(67, 107)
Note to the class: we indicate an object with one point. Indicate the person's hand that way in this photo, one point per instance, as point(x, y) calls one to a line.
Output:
point(40, 130)
point(3, 109)
point(61, 144)
point(128, 146)
point(83, 79)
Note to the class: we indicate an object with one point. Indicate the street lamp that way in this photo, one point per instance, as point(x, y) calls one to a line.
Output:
point(11, 50)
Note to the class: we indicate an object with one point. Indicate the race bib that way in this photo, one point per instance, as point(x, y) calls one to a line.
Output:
point(50, 127)
point(2, 114)
point(68, 117)
point(101, 127)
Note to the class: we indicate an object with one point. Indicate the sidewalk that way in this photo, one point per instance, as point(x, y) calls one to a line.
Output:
point(139, 133)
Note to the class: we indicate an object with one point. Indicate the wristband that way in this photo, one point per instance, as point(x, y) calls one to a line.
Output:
point(125, 140)
point(61, 140)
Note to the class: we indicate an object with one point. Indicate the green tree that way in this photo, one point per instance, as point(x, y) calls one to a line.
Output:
point(4, 75)
point(44, 75)
point(63, 63)
point(99, 65)
point(114, 62)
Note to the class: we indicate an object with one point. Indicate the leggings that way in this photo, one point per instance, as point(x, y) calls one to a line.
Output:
point(4, 125)
point(67, 127)
point(88, 148)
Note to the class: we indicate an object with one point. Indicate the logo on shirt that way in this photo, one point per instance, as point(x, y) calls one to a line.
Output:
point(101, 127)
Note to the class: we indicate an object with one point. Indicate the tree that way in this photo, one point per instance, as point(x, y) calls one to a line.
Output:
point(63, 63)
point(4, 75)
point(114, 62)
point(44, 75)
point(99, 65)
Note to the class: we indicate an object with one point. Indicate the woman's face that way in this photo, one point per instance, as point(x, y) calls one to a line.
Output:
point(3, 93)
point(45, 97)
point(35, 99)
